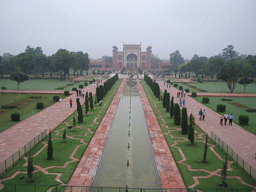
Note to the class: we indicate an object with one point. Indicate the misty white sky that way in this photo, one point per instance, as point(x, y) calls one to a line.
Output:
point(202, 27)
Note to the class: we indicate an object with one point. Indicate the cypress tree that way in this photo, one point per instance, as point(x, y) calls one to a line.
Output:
point(224, 172)
point(74, 121)
point(50, 148)
point(191, 127)
point(176, 114)
point(64, 136)
point(91, 100)
point(172, 107)
point(86, 103)
point(164, 98)
point(205, 150)
point(167, 102)
point(184, 122)
point(80, 111)
point(30, 168)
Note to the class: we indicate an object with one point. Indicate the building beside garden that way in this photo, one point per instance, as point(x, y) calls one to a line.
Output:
point(131, 58)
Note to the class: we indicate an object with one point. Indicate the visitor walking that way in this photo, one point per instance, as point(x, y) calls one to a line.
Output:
point(70, 102)
point(221, 119)
point(231, 117)
point(83, 94)
point(180, 103)
point(225, 118)
point(184, 93)
point(184, 103)
point(77, 92)
point(204, 113)
point(200, 114)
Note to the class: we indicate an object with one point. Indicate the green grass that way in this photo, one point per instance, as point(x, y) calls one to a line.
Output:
point(25, 106)
point(61, 151)
point(37, 84)
point(236, 111)
point(194, 154)
point(220, 87)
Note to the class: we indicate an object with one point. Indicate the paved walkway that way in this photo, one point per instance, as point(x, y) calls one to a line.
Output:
point(12, 139)
point(167, 168)
point(239, 139)
point(87, 167)
point(36, 92)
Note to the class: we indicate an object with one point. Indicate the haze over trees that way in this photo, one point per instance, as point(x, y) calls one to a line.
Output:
point(176, 59)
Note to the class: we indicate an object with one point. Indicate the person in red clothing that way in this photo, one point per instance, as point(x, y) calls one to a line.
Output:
point(70, 102)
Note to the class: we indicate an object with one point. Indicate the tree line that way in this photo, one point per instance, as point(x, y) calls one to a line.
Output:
point(34, 61)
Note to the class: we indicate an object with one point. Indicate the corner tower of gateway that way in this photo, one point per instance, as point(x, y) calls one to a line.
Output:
point(131, 57)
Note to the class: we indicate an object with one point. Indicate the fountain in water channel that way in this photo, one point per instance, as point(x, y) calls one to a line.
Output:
point(128, 159)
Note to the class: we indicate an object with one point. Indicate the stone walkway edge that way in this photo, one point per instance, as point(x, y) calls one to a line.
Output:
point(87, 167)
point(166, 165)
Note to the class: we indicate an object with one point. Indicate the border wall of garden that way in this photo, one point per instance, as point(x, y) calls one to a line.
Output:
point(237, 159)
point(14, 158)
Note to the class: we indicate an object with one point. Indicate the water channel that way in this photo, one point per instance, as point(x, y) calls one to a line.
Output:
point(128, 157)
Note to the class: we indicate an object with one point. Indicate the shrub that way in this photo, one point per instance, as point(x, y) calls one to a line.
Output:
point(66, 93)
point(221, 108)
point(81, 86)
point(56, 98)
point(168, 81)
point(243, 119)
point(187, 90)
point(193, 94)
point(73, 89)
point(40, 105)
point(205, 99)
point(224, 99)
point(199, 80)
point(175, 85)
point(180, 87)
point(15, 116)
point(85, 83)
point(250, 110)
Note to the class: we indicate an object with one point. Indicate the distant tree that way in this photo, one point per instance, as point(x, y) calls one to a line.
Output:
point(50, 148)
point(195, 57)
point(205, 150)
point(245, 81)
point(176, 59)
point(19, 77)
point(155, 60)
point(86, 103)
point(108, 61)
point(30, 169)
point(195, 65)
point(176, 114)
point(172, 107)
point(64, 136)
point(3, 88)
point(214, 64)
point(251, 59)
point(83, 61)
point(230, 73)
point(184, 122)
point(229, 53)
point(191, 128)
point(64, 60)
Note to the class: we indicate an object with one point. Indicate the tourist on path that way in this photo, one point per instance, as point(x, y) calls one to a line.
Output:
point(231, 117)
point(77, 92)
point(180, 103)
point(184, 102)
point(70, 102)
point(221, 119)
point(200, 114)
point(184, 93)
point(204, 114)
point(225, 118)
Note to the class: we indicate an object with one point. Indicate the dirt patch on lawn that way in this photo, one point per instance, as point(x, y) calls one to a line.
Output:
point(24, 102)
point(237, 104)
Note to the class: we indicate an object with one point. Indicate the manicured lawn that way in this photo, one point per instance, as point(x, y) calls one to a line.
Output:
point(192, 166)
point(236, 111)
point(221, 87)
point(65, 158)
point(26, 106)
point(37, 84)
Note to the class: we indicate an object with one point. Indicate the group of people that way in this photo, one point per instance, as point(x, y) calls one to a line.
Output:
point(182, 103)
point(181, 94)
point(225, 118)
point(79, 92)
point(202, 114)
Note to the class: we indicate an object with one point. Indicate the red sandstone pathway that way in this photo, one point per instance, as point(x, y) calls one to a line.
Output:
point(87, 167)
point(168, 170)
point(12, 139)
point(239, 139)
point(36, 92)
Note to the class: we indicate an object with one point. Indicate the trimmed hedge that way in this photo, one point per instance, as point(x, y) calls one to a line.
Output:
point(193, 94)
point(66, 93)
point(221, 108)
point(244, 119)
point(81, 86)
point(40, 105)
point(85, 83)
point(205, 99)
point(15, 116)
point(73, 88)
point(180, 87)
point(56, 98)
point(175, 85)
point(187, 90)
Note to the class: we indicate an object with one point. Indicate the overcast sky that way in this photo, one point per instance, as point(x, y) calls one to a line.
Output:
point(202, 27)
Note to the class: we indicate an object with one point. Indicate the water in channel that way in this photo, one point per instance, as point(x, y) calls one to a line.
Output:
point(128, 158)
